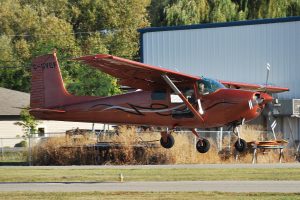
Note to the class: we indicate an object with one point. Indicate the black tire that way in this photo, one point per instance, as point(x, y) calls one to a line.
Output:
point(170, 142)
point(203, 145)
point(240, 146)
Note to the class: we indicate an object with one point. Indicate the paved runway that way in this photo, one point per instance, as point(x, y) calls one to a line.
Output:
point(185, 166)
point(222, 186)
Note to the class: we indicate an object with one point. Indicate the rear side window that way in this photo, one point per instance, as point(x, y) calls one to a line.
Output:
point(158, 95)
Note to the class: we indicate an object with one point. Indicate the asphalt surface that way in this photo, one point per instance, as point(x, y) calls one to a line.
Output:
point(221, 186)
point(179, 166)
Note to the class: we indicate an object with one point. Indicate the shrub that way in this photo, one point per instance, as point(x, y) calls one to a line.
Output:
point(21, 144)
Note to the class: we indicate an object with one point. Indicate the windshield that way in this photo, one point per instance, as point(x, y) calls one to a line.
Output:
point(207, 85)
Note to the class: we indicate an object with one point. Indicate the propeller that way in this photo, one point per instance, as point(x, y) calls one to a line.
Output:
point(267, 79)
point(269, 107)
point(262, 98)
point(273, 126)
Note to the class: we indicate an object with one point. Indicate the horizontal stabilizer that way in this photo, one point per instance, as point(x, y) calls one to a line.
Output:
point(47, 110)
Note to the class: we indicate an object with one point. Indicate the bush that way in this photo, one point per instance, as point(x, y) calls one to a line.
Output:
point(130, 147)
point(21, 144)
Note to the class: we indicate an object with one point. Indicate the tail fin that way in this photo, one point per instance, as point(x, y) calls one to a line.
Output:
point(47, 87)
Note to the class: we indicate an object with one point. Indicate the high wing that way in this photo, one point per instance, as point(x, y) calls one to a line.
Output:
point(254, 87)
point(135, 74)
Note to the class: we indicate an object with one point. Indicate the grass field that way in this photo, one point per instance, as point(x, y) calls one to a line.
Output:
point(13, 174)
point(144, 195)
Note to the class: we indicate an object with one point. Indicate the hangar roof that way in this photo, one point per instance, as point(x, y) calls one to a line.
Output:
point(220, 24)
point(12, 101)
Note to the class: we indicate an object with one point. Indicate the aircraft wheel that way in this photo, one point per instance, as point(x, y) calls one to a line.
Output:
point(240, 146)
point(169, 143)
point(203, 145)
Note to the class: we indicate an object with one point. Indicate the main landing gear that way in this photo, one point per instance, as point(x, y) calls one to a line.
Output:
point(202, 145)
point(167, 140)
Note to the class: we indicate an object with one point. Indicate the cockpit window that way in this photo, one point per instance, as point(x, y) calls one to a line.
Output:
point(207, 86)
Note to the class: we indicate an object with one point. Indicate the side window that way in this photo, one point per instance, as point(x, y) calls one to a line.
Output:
point(158, 95)
point(189, 94)
point(175, 98)
point(203, 88)
point(206, 86)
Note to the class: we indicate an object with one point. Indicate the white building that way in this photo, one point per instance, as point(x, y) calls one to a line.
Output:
point(234, 51)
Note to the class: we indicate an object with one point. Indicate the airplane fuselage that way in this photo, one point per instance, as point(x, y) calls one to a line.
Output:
point(222, 107)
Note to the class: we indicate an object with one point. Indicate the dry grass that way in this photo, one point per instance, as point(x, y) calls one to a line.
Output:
point(132, 148)
point(63, 151)
point(146, 195)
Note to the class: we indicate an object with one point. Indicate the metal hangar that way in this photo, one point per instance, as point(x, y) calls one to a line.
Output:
point(236, 51)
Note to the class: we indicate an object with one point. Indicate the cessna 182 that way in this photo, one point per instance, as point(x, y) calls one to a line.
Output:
point(165, 98)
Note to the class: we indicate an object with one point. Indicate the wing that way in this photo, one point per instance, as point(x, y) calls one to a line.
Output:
point(135, 74)
point(254, 87)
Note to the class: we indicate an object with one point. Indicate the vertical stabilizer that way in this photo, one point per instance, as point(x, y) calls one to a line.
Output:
point(47, 87)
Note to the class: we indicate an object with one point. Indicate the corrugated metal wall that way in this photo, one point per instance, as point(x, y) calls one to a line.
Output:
point(234, 53)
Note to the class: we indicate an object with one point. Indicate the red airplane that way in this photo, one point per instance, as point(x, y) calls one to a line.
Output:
point(164, 98)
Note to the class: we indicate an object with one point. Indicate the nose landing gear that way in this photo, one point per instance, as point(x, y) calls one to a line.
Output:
point(240, 145)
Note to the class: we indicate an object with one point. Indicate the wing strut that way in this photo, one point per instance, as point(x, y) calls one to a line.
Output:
point(182, 97)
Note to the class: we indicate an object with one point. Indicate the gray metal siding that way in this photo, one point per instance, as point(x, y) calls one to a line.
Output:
point(237, 53)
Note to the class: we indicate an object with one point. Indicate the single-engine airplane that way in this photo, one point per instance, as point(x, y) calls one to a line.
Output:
point(164, 98)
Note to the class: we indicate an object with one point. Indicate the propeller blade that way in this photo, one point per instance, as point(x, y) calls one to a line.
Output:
point(273, 126)
point(268, 72)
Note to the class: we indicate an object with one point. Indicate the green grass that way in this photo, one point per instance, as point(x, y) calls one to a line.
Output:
point(13, 157)
point(27, 174)
point(145, 195)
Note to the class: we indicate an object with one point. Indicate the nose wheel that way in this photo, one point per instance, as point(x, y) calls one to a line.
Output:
point(203, 145)
point(240, 145)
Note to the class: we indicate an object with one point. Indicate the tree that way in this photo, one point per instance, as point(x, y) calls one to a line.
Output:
point(293, 8)
point(156, 10)
point(28, 122)
point(182, 12)
point(222, 11)
point(72, 28)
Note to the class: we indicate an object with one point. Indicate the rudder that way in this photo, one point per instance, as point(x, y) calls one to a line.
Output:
point(47, 87)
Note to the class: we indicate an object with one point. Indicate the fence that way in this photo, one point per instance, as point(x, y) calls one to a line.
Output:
point(21, 150)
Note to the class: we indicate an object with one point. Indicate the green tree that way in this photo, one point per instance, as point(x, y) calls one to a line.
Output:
point(72, 28)
point(293, 8)
point(273, 9)
point(182, 12)
point(94, 82)
point(122, 19)
point(222, 11)
point(28, 122)
point(156, 10)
